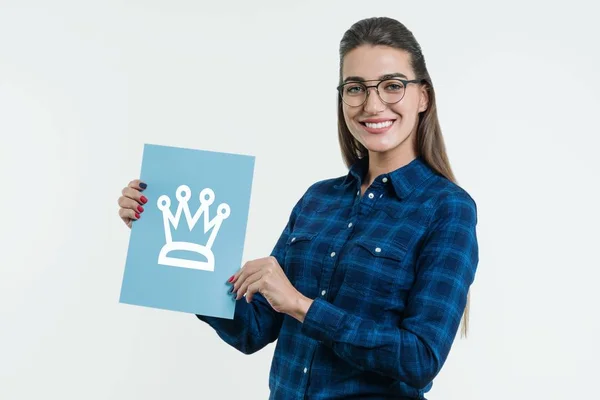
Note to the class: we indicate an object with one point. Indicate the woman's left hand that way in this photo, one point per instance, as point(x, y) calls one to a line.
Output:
point(265, 276)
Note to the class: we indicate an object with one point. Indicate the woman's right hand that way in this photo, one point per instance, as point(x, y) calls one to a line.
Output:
point(131, 202)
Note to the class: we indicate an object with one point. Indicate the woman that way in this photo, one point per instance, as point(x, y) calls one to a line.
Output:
point(365, 288)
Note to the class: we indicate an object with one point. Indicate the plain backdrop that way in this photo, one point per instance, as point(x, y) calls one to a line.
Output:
point(83, 85)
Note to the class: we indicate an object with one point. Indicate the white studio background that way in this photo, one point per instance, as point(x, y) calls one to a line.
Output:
point(83, 85)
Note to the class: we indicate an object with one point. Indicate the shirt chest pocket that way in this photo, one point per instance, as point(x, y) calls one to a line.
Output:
point(374, 267)
point(302, 264)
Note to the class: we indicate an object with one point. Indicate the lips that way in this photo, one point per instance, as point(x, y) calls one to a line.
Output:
point(377, 125)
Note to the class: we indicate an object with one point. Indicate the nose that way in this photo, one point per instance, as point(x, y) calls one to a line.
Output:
point(373, 104)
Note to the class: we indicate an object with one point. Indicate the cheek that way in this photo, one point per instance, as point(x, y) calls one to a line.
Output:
point(408, 108)
point(407, 113)
point(400, 109)
point(349, 115)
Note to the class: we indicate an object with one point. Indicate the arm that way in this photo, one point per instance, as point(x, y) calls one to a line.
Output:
point(415, 351)
point(254, 324)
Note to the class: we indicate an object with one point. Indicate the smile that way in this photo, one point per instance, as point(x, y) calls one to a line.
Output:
point(377, 126)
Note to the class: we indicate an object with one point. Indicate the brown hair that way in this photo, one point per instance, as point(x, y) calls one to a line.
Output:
point(429, 142)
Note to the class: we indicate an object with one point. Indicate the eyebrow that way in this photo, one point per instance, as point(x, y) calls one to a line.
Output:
point(382, 77)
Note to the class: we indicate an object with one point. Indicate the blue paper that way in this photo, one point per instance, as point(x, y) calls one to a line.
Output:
point(183, 250)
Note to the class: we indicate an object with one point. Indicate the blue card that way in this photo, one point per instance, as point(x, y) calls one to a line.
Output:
point(190, 237)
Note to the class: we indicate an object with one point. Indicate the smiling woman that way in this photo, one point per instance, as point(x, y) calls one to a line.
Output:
point(385, 122)
point(366, 286)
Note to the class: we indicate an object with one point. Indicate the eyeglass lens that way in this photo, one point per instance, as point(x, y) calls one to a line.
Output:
point(355, 93)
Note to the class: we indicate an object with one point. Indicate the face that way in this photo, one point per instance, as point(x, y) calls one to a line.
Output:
point(384, 129)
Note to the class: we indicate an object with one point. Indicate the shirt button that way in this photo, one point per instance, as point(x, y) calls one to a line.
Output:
point(293, 239)
point(333, 254)
point(350, 225)
point(358, 192)
point(384, 180)
point(378, 250)
point(305, 370)
point(323, 292)
point(371, 195)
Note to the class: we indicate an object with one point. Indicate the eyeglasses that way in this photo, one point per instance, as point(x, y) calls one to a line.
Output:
point(390, 91)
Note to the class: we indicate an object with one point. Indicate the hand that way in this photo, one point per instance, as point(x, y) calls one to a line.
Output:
point(131, 202)
point(266, 277)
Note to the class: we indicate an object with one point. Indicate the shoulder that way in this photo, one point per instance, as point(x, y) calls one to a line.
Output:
point(448, 199)
point(325, 186)
point(322, 193)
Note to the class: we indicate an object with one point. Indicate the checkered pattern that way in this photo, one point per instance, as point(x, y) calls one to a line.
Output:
point(389, 273)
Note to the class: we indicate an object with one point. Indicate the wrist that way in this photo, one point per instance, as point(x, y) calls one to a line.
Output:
point(300, 307)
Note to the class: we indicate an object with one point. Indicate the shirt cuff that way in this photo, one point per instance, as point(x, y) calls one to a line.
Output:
point(322, 321)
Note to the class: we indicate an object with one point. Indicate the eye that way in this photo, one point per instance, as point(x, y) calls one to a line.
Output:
point(354, 89)
point(393, 86)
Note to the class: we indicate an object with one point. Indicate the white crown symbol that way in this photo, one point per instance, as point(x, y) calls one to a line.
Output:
point(183, 194)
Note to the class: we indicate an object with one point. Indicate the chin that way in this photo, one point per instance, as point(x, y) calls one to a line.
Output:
point(381, 148)
point(381, 142)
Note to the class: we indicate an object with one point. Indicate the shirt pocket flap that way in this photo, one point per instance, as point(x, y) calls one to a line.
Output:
point(298, 237)
point(391, 250)
point(373, 266)
point(299, 253)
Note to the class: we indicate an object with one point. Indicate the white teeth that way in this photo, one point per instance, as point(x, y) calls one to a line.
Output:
point(379, 125)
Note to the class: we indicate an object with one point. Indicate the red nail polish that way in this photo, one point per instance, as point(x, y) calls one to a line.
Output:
point(140, 209)
point(231, 279)
point(143, 199)
point(137, 215)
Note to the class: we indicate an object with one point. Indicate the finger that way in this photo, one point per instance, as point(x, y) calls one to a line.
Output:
point(241, 276)
point(253, 288)
point(128, 215)
point(126, 202)
point(251, 279)
point(137, 184)
point(247, 269)
point(134, 194)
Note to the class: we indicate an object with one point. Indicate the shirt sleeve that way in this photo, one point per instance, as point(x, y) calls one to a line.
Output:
point(255, 324)
point(415, 351)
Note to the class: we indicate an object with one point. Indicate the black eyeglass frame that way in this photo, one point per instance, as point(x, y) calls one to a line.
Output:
point(404, 82)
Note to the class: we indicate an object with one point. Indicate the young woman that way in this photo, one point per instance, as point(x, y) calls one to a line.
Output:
point(366, 286)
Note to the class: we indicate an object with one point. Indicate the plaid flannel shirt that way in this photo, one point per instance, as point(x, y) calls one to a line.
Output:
point(389, 273)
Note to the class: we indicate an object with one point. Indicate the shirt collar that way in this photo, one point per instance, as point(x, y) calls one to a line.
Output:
point(404, 179)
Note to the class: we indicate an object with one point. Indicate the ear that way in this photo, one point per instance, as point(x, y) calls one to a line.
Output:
point(423, 99)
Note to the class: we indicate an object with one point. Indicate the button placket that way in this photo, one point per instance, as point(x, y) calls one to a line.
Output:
point(337, 243)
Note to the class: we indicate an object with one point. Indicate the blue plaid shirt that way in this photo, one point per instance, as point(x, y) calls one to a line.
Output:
point(389, 273)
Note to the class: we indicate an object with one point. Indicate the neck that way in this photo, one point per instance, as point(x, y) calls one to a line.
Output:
point(382, 163)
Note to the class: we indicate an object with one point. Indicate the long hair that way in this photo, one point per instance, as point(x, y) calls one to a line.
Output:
point(429, 142)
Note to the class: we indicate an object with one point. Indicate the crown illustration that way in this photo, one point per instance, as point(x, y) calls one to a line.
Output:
point(183, 194)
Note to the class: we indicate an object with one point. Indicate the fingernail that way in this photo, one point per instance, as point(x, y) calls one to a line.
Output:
point(140, 209)
point(231, 289)
point(137, 215)
point(143, 185)
point(231, 279)
point(143, 199)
